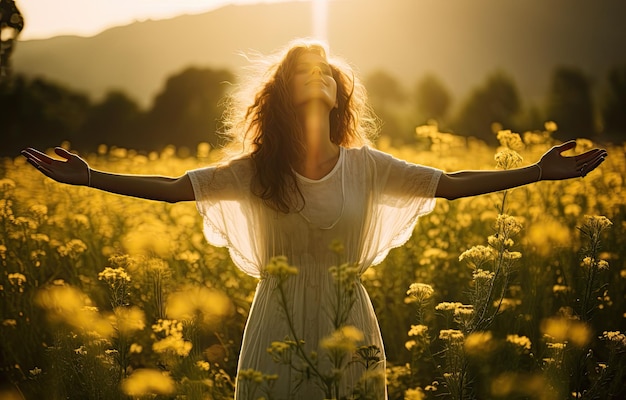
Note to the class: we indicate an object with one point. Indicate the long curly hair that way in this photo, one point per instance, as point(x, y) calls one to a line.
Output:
point(260, 121)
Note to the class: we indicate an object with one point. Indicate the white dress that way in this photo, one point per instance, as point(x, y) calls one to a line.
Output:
point(369, 202)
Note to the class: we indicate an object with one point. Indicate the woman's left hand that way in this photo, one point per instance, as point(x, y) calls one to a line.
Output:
point(555, 166)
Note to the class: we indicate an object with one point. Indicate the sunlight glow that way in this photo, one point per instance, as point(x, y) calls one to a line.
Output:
point(320, 19)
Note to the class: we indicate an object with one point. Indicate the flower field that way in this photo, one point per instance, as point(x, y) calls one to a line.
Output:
point(514, 295)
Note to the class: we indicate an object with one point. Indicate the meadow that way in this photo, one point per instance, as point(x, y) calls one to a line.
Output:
point(512, 295)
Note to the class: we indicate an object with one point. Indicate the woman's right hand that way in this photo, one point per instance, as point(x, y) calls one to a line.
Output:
point(72, 169)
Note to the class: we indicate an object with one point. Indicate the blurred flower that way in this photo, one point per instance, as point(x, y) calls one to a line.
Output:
point(281, 351)
point(129, 319)
point(567, 329)
point(144, 382)
point(135, 348)
point(250, 375)
point(343, 339)
point(509, 139)
point(26, 223)
point(198, 303)
point(17, 279)
point(507, 303)
point(414, 394)
point(173, 340)
point(345, 275)
point(6, 185)
point(479, 343)
point(72, 248)
point(203, 365)
point(337, 247)
point(556, 289)
point(521, 342)
point(40, 237)
point(39, 210)
point(583, 144)
point(418, 330)
point(279, 267)
point(550, 126)
point(69, 305)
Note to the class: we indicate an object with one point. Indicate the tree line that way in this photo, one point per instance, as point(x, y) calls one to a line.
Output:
point(187, 111)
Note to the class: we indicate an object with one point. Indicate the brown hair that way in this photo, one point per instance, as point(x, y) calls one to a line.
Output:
point(260, 121)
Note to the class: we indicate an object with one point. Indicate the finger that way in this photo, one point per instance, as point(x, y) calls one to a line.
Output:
point(60, 151)
point(566, 146)
point(43, 169)
point(39, 156)
point(590, 167)
point(589, 156)
point(33, 160)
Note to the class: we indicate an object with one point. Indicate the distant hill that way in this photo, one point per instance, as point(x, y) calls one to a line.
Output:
point(459, 40)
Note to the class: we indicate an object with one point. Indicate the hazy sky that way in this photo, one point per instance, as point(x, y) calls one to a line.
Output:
point(46, 18)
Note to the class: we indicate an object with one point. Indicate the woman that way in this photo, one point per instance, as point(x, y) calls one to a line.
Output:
point(306, 186)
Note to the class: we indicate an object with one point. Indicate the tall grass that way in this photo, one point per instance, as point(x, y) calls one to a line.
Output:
point(516, 295)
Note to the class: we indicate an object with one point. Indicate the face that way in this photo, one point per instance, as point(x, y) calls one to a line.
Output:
point(313, 81)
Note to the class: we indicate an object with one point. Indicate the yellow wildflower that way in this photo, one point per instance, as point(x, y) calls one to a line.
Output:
point(148, 382)
point(420, 292)
point(520, 341)
point(479, 343)
point(203, 365)
point(477, 256)
point(510, 139)
point(279, 267)
point(508, 159)
point(448, 306)
point(16, 279)
point(418, 330)
point(451, 335)
point(344, 339)
point(129, 319)
point(414, 394)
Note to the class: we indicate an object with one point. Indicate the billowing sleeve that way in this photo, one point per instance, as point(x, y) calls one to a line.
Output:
point(224, 200)
point(402, 192)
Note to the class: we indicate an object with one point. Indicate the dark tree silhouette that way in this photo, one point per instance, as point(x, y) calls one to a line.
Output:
point(387, 97)
point(497, 101)
point(188, 109)
point(38, 113)
point(614, 108)
point(115, 121)
point(432, 98)
point(570, 104)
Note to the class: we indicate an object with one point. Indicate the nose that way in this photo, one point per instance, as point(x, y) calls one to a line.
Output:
point(316, 70)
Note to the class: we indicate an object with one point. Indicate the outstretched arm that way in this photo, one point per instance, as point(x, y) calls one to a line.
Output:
point(73, 170)
point(552, 166)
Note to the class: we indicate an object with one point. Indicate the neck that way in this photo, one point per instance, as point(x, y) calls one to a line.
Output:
point(320, 153)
